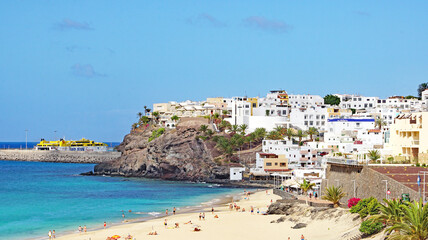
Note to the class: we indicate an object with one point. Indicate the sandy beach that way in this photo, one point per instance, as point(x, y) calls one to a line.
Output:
point(230, 224)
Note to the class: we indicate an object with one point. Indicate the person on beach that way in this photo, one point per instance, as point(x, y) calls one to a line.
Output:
point(173, 211)
point(80, 229)
point(165, 223)
point(252, 210)
point(53, 233)
point(166, 212)
point(212, 210)
point(203, 216)
point(105, 225)
point(50, 234)
point(123, 216)
point(84, 228)
point(258, 211)
point(200, 216)
point(302, 237)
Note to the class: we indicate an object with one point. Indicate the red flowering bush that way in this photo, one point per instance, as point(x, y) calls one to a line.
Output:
point(352, 202)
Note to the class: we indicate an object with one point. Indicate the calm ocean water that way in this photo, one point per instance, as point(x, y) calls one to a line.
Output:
point(21, 145)
point(37, 197)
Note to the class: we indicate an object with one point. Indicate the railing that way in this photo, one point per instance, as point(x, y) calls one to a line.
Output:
point(342, 161)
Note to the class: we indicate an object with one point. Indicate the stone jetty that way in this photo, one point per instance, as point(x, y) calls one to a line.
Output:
point(58, 156)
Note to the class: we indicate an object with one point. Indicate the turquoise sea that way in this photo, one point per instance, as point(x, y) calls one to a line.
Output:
point(37, 197)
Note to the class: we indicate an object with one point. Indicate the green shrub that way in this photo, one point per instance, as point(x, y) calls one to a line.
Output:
point(365, 207)
point(156, 133)
point(370, 227)
point(424, 165)
point(418, 165)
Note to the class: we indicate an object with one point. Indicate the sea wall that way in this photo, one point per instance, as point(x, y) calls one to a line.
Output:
point(58, 156)
point(368, 183)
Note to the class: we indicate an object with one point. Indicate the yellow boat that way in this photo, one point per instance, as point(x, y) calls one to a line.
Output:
point(71, 145)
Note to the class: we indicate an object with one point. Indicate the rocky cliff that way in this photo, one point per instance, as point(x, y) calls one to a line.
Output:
point(175, 155)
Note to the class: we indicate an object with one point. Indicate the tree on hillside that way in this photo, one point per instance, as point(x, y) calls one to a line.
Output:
point(243, 128)
point(274, 135)
point(421, 88)
point(139, 114)
point(144, 120)
point(224, 125)
point(225, 112)
point(311, 132)
point(145, 110)
point(331, 100)
point(134, 126)
point(175, 118)
point(290, 133)
point(259, 134)
point(203, 128)
point(379, 122)
point(300, 134)
point(156, 116)
point(410, 97)
point(234, 128)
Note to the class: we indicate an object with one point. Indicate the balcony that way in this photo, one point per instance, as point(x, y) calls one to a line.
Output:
point(304, 159)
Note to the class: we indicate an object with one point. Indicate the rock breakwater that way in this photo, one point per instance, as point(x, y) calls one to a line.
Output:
point(58, 156)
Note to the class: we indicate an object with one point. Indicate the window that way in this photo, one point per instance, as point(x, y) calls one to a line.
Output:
point(276, 164)
point(268, 164)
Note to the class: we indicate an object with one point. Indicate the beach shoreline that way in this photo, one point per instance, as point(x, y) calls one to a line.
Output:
point(231, 224)
point(215, 202)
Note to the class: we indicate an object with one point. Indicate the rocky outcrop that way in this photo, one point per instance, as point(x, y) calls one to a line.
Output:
point(176, 155)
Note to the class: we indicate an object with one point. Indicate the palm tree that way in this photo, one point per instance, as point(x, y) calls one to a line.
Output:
point(139, 114)
point(242, 128)
point(225, 112)
point(334, 194)
point(203, 128)
point(413, 224)
point(306, 186)
point(144, 120)
point(421, 88)
point(259, 134)
point(300, 134)
point(175, 118)
point(290, 133)
point(312, 131)
point(216, 116)
point(234, 128)
point(389, 213)
point(156, 115)
point(379, 122)
point(134, 126)
point(224, 125)
point(374, 155)
point(145, 110)
point(273, 135)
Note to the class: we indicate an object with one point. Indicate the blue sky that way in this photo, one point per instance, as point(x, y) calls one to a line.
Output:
point(85, 68)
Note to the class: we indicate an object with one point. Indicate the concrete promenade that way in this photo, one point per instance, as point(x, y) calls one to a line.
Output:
point(58, 156)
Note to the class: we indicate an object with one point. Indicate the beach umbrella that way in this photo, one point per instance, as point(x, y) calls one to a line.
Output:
point(115, 236)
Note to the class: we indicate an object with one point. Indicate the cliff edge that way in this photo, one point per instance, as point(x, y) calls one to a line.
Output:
point(177, 154)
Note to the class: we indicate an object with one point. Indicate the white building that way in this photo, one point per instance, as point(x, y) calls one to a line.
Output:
point(297, 101)
point(236, 173)
point(314, 116)
point(356, 101)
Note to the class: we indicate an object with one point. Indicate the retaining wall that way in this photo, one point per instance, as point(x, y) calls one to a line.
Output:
point(368, 183)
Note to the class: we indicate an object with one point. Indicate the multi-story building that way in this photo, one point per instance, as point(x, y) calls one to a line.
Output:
point(304, 118)
point(298, 101)
point(356, 101)
point(400, 103)
point(409, 137)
